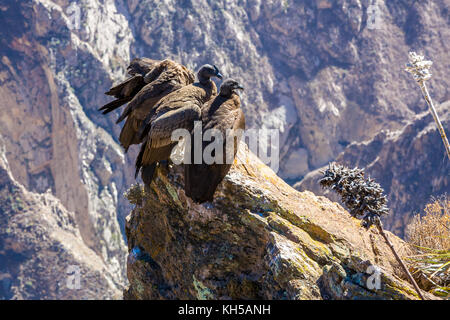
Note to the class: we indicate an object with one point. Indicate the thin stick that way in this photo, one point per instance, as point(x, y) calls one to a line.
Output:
point(400, 261)
point(427, 97)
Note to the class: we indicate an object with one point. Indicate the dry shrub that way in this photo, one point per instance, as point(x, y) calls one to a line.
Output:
point(429, 236)
point(136, 194)
point(432, 230)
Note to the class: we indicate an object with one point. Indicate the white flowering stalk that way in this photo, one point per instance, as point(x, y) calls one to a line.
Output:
point(420, 69)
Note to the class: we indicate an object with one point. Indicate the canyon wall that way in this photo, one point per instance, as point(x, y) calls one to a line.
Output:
point(315, 70)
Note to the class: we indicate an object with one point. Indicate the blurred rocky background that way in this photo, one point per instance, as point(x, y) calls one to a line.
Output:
point(322, 72)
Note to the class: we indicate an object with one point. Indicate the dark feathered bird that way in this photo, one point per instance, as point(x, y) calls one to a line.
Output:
point(163, 78)
point(177, 110)
point(225, 115)
point(141, 66)
point(125, 91)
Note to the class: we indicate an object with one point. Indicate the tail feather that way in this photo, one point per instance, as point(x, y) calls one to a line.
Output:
point(127, 88)
point(128, 135)
point(125, 114)
point(145, 128)
point(107, 108)
point(118, 90)
point(139, 159)
point(147, 173)
point(201, 184)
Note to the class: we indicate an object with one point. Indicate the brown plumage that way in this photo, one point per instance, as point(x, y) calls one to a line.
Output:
point(125, 91)
point(165, 77)
point(141, 66)
point(177, 110)
point(224, 114)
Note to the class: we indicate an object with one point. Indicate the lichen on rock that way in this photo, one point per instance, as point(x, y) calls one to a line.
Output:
point(259, 239)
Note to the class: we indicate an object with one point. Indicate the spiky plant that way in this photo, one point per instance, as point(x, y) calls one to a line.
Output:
point(363, 197)
point(366, 201)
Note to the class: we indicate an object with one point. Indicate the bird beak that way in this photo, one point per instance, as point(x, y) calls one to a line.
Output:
point(218, 74)
point(239, 87)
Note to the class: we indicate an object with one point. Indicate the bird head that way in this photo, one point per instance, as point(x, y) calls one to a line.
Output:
point(208, 71)
point(229, 87)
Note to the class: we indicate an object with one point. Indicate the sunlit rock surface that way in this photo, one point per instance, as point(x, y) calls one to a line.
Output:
point(312, 69)
point(259, 239)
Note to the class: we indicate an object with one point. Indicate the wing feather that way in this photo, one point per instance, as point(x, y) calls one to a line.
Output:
point(163, 125)
point(127, 87)
point(141, 66)
point(164, 80)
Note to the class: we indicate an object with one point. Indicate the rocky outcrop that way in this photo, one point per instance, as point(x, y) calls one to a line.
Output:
point(259, 239)
point(42, 253)
point(52, 77)
point(314, 70)
point(410, 164)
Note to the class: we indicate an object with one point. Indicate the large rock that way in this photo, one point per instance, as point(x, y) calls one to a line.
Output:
point(313, 69)
point(410, 164)
point(259, 239)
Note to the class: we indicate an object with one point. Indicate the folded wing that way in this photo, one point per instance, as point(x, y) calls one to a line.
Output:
point(159, 143)
point(125, 91)
point(149, 83)
point(225, 116)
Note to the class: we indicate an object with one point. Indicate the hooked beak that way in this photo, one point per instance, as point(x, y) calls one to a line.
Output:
point(218, 74)
point(239, 87)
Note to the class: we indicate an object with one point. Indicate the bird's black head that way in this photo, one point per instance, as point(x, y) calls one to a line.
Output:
point(229, 87)
point(208, 71)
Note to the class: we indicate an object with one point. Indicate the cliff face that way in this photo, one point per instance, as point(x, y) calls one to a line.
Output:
point(259, 239)
point(42, 253)
point(51, 79)
point(410, 164)
point(313, 69)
